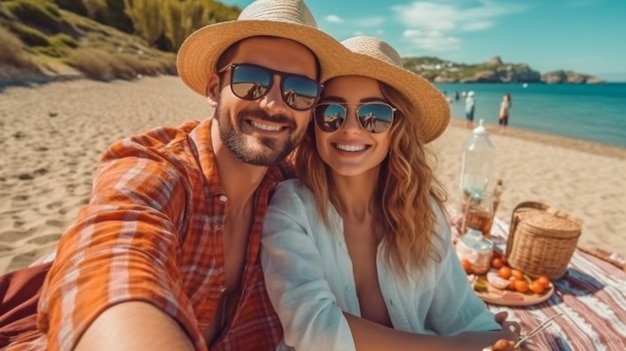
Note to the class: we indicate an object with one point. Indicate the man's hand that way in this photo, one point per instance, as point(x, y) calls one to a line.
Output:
point(512, 329)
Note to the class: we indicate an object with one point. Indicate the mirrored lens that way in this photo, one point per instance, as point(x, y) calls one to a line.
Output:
point(329, 117)
point(375, 117)
point(300, 93)
point(250, 82)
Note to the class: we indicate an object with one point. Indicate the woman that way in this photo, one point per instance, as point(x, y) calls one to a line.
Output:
point(356, 252)
point(503, 116)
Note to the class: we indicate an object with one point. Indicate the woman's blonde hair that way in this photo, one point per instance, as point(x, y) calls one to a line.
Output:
point(407, 188)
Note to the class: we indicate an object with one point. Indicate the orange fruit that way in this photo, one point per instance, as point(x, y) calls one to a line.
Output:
point(467, 266)
point(537, 287)
point(497, 263)
point(521, 286)
point(544, 280)
point(504, 272)
point(512, 281)
point(519, 275)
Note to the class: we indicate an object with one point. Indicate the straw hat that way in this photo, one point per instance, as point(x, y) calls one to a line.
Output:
point(374, 58)
point(289, 19)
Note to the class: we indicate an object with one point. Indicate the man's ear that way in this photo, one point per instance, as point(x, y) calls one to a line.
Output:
point(213, 90)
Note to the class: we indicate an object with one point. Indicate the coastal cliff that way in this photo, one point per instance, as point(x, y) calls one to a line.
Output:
point(493, 71)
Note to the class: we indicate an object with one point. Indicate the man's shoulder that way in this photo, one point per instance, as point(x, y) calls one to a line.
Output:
point(155, 142)
point(164, 135)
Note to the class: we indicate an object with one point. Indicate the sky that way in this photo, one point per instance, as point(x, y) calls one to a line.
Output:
point(586, 36)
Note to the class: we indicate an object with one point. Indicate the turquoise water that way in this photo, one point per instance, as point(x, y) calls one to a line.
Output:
point(591, 112)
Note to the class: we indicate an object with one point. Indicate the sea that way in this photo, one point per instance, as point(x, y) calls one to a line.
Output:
point(595, 112)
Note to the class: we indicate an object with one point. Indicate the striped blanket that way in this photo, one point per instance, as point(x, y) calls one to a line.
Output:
point(592, 298)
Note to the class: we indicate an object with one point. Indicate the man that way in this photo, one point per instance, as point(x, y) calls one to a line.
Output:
point(166, 254)
point(470, 107)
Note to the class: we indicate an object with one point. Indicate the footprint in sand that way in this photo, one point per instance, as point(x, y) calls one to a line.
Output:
point(12, 236)
point(45, 239)
point(54, 205)
point(55, 223)
point(23, 260)
point(5, 248)
point(20, 197)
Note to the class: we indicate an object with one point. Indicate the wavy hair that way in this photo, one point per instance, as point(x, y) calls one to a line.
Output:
point(407, 189)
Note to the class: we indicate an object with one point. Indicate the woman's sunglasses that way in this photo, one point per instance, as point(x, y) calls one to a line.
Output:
point(374, 117)
point(251, 82)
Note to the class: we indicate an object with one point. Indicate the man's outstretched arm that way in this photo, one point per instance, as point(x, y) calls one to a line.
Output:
point(134, 326)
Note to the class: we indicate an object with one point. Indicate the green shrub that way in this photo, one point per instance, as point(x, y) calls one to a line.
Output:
point(41, 13)
point(52, 51)
point(29, 35)
point(63, 39)
point(11, 53)
point(93, 63)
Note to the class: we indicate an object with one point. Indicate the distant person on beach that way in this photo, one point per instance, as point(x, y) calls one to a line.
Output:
point(353, 253)
point(503, 116)
point(166, 254)
point(470, 108)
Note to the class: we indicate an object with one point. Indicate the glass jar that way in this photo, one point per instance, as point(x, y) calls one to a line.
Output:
point(476, 249)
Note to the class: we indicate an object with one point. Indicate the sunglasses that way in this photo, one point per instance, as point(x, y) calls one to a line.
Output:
point(374, 117)
point(252, 82)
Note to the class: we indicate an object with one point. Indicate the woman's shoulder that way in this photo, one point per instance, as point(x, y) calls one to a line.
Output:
point(292, 191)
point(292, 186)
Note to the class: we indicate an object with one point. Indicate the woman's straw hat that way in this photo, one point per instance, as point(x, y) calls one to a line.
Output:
point(289, 19)
point(374, 58)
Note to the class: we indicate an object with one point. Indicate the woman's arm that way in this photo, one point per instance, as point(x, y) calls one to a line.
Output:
point(369, 336)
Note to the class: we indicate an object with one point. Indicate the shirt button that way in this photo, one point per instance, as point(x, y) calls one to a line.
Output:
point(223, 198)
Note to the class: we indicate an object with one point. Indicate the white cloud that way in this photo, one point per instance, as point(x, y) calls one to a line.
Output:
point(436, 25)
point(334, 19)
point(432, 40)
point(368, 22)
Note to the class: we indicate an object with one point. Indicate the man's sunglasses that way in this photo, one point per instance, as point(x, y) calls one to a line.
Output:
point(374, 117)
point(251, 82)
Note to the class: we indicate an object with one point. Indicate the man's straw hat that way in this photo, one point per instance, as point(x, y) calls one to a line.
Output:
point(374, 58)
point(289, 19)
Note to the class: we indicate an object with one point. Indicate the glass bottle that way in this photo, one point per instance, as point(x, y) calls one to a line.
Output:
point(477, 171)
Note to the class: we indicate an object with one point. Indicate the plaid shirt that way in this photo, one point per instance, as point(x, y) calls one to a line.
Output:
point(153, 232)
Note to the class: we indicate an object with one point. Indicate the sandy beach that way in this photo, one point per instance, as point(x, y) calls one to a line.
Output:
point(52, 136)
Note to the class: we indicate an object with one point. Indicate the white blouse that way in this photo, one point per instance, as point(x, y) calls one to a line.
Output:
point(309, 278)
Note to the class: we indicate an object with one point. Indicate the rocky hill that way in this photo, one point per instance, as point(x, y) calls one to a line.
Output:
point(493, 71)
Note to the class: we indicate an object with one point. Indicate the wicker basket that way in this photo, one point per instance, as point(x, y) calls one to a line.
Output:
point(541, 240)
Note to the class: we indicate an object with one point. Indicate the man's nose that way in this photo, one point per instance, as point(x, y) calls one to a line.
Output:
point(273, 101)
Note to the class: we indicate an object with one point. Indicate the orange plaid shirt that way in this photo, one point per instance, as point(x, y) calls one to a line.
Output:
point(153, 232)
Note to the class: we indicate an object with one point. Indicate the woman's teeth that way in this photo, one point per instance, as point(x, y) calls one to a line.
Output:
point(350, 148)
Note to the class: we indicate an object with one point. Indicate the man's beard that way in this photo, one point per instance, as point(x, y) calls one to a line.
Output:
point(271, 152)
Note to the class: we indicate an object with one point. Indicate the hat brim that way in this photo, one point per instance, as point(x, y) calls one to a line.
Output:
point(198, 55)
point(433, 111)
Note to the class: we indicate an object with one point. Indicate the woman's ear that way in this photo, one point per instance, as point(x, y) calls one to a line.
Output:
point(213, 90)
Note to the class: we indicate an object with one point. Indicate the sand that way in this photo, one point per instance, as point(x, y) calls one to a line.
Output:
point(52, 136)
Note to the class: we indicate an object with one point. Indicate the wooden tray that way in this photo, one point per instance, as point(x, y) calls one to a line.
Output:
point(496, 296)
